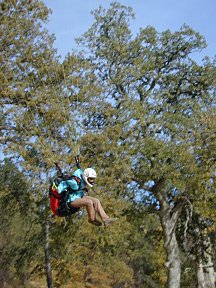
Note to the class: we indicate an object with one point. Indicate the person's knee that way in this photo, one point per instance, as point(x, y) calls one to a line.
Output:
point(89, 203)
point(96, 201)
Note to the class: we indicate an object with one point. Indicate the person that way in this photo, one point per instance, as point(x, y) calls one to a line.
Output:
point(77, 198)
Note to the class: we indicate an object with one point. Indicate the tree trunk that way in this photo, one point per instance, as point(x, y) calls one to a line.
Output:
point(200, 275)
point(47, 255)
point(173, 263)
point(169, 216)
point(205, 268)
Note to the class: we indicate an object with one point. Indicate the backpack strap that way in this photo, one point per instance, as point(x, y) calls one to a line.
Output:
point(53, 190)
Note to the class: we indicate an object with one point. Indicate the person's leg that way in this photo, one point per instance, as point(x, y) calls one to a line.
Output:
point(92, 206)
point(98, 208)
point(100, 211)
point(88, 204)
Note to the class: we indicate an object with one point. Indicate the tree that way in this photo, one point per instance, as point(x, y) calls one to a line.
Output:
point(19, 229)
point(199, 226)
point(36, 119)
point(152, 93)
point(42, 101)
point(139, 108)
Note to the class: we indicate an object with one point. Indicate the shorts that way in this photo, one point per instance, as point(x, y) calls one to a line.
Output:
point(66, 209)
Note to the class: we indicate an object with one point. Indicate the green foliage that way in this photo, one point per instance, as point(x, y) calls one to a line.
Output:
point(20, 230)
point(154, 96)
point(14, 188)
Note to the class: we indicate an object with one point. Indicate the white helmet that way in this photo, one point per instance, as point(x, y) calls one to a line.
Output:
point(89, 175)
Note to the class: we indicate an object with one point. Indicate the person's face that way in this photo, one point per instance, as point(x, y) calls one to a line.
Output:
point(91, 180)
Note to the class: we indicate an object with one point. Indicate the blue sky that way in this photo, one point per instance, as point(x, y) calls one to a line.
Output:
point(71, 18)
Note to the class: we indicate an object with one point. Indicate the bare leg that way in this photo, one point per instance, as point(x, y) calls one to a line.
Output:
point(88, 204)
point(98, 208)
point(93, 206)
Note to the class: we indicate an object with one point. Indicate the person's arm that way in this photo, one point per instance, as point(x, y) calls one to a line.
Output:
point(62, 187)
point(73, 185)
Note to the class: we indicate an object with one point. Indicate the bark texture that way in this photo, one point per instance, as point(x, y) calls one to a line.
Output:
point(205, 267)
point(47, 255)
point(169, 216)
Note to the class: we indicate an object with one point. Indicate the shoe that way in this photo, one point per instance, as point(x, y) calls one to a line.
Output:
point(95, 222)
point(109, 221)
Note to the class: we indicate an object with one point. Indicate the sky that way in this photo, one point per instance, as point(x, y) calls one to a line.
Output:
point(71, 18)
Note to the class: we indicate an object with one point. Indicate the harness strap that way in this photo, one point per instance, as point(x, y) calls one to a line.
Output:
point(53, 191)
